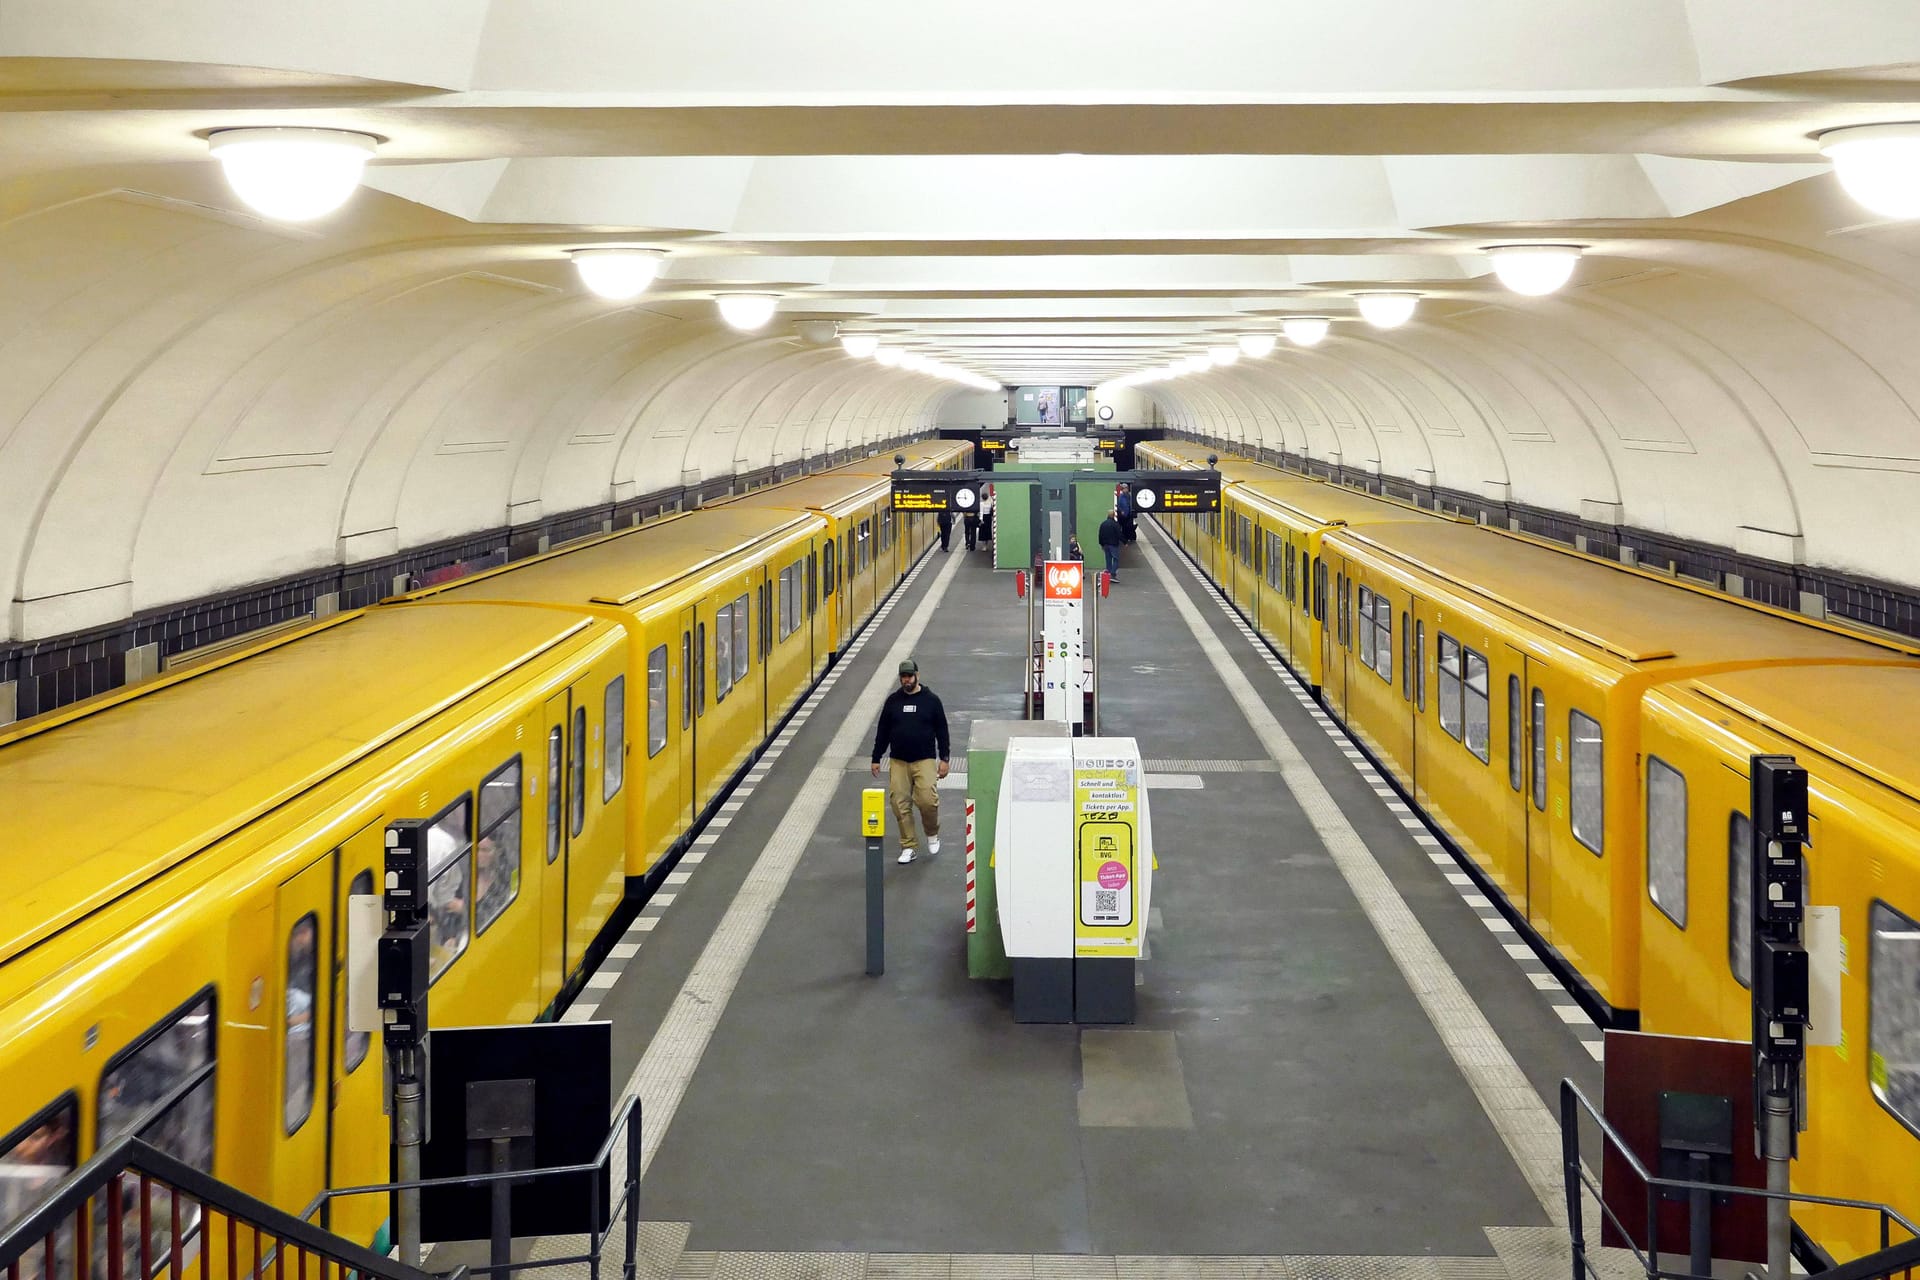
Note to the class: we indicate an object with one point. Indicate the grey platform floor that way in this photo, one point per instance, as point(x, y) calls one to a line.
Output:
point(1298, 1101)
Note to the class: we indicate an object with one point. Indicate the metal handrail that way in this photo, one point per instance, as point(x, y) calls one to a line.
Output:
point(626, 1122)
point(70, 1201)
point(1573, 1101)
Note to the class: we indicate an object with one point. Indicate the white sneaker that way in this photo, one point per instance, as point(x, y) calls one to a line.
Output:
point(906, 856)
point(933, 846)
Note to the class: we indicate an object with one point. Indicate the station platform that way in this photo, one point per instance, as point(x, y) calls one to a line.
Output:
point(1343, 1061)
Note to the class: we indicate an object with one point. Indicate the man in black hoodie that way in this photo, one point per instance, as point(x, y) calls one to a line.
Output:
point(913, 728)
point(1110, 538)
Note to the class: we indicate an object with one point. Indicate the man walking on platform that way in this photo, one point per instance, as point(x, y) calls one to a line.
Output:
point(1123, 507)
point(971, 523)
point(913, 729)
point(945, 523)
point(1110, 543)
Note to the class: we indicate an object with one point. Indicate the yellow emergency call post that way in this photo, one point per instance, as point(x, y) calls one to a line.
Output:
point(873, 812)
point(873, 826)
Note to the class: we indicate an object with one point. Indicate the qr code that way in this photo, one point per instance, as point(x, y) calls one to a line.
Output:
point(1106, 902)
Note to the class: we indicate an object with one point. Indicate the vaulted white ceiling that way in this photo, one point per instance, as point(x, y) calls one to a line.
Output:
point(192, 397)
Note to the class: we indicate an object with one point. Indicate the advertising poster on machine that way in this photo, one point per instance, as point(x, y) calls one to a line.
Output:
point(1106, 841)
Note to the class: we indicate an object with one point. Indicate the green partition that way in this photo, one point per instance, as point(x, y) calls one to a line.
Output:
point(1013, 531)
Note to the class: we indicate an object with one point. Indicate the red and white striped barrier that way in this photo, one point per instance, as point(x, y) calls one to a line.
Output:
point(970, 911)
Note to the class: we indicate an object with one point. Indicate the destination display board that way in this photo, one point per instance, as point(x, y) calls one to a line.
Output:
point(934, 491)
point(1176, 492)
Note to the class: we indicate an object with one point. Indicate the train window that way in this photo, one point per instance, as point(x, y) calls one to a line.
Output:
point(496, 856)
point(1368, 637)
point(886, 529)
point(303, 975)
point(686, 679)
point(1383, 646)
point(32, 1158)
point(135, 1082)
point(1420, 665)
point(699, 668)
point(1893, 1017)
point(1514, 733)
point(1740, 897)
point(353, 1050)
point(1449, 685)
point(556, 751)
point(1587, 783)
point(1320, 592)
point(577, 776)
point(1290, 578)
point(1479, 706)
point(1667, 840)
point(613, 767)
point(812, 579)
point(742, 640)
point(447, 843)
point(826, 568)
point(656, 701)
point(723, 630)
point(1406, 658)
point(1539, 728)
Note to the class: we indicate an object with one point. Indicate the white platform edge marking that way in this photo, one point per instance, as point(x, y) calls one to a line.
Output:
point(1528, 1129)
point(665, 1069)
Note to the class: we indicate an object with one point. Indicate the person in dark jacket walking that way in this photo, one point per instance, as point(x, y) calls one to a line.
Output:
point(971, 523)
point(913, 730)
point(945, 522)
point(1123, 507)
point(1110, 538)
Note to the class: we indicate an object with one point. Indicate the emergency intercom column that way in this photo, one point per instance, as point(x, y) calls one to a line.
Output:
point(403, 978)
point(1781, 984)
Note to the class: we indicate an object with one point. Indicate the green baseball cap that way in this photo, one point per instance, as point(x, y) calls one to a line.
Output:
point(909, 668)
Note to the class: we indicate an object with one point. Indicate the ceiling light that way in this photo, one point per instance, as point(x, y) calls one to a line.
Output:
point(1256, 345)
point(1879, 165)
point(859, 345)
point(1194, 364)
point(1388, 310)
point(1305, 331)
point(617, 274)
point(294, 175)
point(746, 311)
point(1222, 355)
point(889, 356)
point(1534, 269)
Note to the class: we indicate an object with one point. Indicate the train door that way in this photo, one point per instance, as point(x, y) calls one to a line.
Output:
point(689, 666)
point(1336, 637)
point(357, 1136)
point(764, 634)
point(554, 773)
point(299, 1016)
point(1539, 737)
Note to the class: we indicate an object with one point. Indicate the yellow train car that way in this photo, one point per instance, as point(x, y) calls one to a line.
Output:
point(178, 858)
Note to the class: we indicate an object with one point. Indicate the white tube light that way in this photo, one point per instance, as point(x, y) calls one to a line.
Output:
point(617, 273)
point(293, 175)
point(1879, 165)
point(1388, 310)
point(1256, 346)
point(1305, 331)
point(746, 311)
point(889, 356)
point(1222, 356)
point(1534, 270)
point(859, 345)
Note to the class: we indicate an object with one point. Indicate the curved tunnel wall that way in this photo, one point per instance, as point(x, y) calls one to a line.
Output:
point(193, 401)
point(1754, 391)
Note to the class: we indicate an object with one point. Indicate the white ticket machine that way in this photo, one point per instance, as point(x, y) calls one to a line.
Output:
point(1073, 876)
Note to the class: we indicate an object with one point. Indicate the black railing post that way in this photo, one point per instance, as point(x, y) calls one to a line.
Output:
point(1570, 1170)
point(628, 1270)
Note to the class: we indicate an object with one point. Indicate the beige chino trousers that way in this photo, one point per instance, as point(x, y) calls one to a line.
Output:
point(911, 784)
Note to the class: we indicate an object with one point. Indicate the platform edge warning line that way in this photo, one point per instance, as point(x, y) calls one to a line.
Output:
point(666, 1068)
point(1529, 1130)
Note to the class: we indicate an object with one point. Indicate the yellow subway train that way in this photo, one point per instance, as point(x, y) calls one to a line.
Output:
point(1582, 731)
point(175, 857)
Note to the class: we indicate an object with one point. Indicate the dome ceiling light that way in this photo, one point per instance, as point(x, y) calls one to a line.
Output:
point(292, 175)
point(1222, 356)
point(746, 311)
point(889, 356)
point(616, 272)
point(859, 345)
point(1387, 310)
point(1257, 345)
point(1879, 165)
point(1305, 331)
point(1534, 270)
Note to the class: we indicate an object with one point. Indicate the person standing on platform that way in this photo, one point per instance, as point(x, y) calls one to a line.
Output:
point(970, 522)
point(1110, 543)
point(986, 514)
point(913, 731)
point(1073, 547)
point(945, 523)
point(1123, 507)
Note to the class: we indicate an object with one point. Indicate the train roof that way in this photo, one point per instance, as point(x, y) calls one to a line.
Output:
point(139, 784)
point(1864, 717)
point(827, 492)
point(1631, 614)
point(1319, 502)
point(623, 567)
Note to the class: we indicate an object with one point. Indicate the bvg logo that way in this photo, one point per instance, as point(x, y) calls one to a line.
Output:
point(1063, 581)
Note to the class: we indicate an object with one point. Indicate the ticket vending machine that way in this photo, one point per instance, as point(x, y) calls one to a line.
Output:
point(1073, 875)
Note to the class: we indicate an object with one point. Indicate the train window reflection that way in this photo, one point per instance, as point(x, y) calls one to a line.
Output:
point(1586, 780)
point(656, 700)
point(613, 765)
point(1667, 840)
point(555, 754)
point(35, 1156)
point(1539, 750)
point(447, 915)
point(1479, 709)
point(496, 856)
point(1450, 713)
point(303, 974)
point(1893, 1022)
point(1514, 733)
point(1740, 897)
